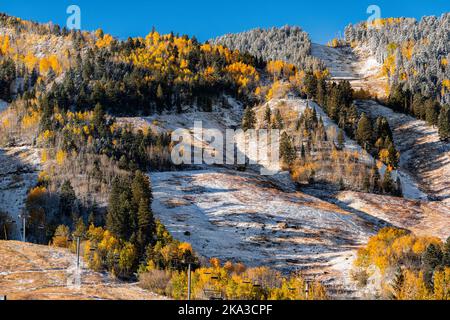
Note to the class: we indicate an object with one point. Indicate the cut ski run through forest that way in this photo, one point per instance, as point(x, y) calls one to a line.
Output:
point(424, 168)
point(423, 155)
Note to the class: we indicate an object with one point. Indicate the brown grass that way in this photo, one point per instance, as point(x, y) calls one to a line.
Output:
point(33, 272)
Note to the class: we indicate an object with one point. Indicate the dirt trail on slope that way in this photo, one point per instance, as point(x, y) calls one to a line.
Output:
point(423, 155)
point(34, 272)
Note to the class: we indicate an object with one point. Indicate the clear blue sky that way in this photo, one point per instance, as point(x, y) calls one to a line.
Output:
point(209, 18)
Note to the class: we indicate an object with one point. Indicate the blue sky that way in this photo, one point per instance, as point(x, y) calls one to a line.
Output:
point(206, 19)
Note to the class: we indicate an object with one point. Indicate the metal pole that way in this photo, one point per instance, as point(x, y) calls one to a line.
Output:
point(189, 282)
point(78, 252)
point(24, 228)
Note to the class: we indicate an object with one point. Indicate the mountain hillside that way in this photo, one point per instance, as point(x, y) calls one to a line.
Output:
point(19, 170)
point(423, 155)
point(413, 53)
point(357, 65)
point(33, 272)
point(290, 44)
point(360, 191)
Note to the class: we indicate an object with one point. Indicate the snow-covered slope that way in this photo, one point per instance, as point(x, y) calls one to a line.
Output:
point(18, 173)
point(295, 107)
point(340, 62)
point(425, 160)
point(356, 65)
point(421, 217)
point(245, 217)
point(410, 186)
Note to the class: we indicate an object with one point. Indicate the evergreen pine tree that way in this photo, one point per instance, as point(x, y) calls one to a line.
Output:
point(388, 184)
point(287, 150)
point(268, 117)
point(249, 119)
point(118, 209)
point(91, 219)
point(146, 225)
point(382, 128)
point(140, 189)
point(99, 120)
point(444, 123)
point(67, 199)
point(375, 177)
point(393, 154)
point(340, 139)
point(431, 112)
point(123, 162)
point(431, 259)
point(352, 117)
point(364, 131)
point(333, 106)
point(278, 123)
point(446, 253)
point(321, 91)
point(80, 228)
point(310, 85)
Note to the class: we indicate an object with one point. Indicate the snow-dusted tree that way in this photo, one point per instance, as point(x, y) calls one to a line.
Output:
point(420, 51)
point(289, 44)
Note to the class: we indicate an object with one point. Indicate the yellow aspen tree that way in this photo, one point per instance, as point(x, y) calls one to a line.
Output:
point(61, 157)
point(442, 284)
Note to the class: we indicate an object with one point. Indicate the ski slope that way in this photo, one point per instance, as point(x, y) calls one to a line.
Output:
point(356, 65)
point(245, 217)
point(424, 159)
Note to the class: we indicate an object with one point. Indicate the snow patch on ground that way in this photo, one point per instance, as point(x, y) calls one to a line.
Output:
point(241, 216)
point(410, 188)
